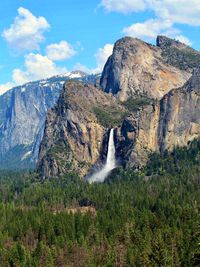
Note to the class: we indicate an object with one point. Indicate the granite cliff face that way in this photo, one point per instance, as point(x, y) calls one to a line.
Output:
point(180, 115)
point(22, 118)
point(138, 68)
point(23, 111)
point(172, 121)
point(137, 138)
point(153, 104)
point(76, 129)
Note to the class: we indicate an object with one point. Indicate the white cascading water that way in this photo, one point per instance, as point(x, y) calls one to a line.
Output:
point(110, 164)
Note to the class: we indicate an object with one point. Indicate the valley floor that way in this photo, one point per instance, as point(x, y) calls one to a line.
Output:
point(148, 218)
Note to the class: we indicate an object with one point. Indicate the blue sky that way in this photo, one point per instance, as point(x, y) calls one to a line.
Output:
point(41, 38)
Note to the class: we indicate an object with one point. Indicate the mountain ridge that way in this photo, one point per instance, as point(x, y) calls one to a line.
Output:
point(138, 68)
point(148, 113)
point(150, 123)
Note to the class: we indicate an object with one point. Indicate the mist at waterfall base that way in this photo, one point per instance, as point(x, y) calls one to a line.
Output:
point(110, 164)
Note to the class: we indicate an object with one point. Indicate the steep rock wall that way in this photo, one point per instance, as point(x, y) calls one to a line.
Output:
point(172, 121)
point(74, 136)
point(137, 68)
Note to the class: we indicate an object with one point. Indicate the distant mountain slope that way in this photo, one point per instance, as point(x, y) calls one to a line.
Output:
point(22, 117)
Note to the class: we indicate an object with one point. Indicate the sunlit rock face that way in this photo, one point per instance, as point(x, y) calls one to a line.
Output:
point(180, 115)
point(138, 68)
point(74, 132)
point(172, 121)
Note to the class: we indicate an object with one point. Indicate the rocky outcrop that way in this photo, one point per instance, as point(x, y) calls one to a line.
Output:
point(138, 68)
point(138, 136)
point(172, 121)
point(75, 130)
point(180, 115)
point(178, 54)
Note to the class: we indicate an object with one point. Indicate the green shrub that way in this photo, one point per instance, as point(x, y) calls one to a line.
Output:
point(133, 104)
point(109, 116)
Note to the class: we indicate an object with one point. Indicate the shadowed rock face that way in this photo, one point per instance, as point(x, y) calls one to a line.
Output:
point(22, 118)
point(138, 68)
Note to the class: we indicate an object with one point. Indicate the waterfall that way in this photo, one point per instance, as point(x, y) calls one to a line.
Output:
point(110, 161)
point(110, 164)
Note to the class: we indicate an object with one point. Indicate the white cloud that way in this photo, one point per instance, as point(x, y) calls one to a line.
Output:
point(5, 87)
point(167, 13)
point(183, 39)
point(101, 57)
point(81, 67)
point(123, 6)
point(36, 67)
point(26, 33)
point(177, 11)
point(60, 51)
point(148, 29)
